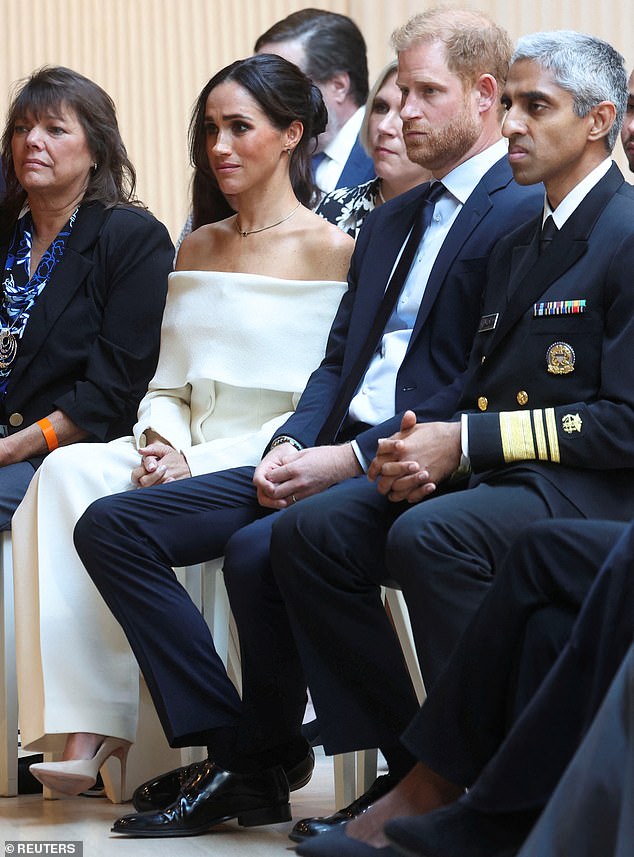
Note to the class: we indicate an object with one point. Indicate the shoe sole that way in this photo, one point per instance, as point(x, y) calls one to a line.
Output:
point(295, 837)
point(67, 784)
point(293, 783)
point(249, 818)
point(299, 784)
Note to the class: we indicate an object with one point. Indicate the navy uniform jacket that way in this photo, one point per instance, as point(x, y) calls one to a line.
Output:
point(551, 387)
point(447, 319)
point(91, 344)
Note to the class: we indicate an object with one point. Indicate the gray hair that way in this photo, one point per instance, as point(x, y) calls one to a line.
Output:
point(590, 69)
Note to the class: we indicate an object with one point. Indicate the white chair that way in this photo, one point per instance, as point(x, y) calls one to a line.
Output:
point(8, 682)
point(355, 772)
point(206, 587)
point(205, 584)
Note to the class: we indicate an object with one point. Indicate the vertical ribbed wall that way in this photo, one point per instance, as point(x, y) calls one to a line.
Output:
point(153, 57)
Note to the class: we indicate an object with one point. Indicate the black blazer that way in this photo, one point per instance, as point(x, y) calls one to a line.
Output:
point(447, 319)
point(91, 344)
point(571, 431)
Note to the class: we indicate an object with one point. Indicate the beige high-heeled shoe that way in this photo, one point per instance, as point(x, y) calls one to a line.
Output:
point(76, 775)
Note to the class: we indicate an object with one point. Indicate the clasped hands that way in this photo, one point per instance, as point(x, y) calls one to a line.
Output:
point(286, 475)
point(408, 466)
point(411, 464)
point(160, 463)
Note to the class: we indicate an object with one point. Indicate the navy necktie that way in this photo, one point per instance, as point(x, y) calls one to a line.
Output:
point(422, 219)
point(315, 161)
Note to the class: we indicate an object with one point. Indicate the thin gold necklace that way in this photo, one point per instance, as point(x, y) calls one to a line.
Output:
point(244, 233)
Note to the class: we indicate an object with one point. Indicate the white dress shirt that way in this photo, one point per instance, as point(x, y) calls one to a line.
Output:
point(337, 152)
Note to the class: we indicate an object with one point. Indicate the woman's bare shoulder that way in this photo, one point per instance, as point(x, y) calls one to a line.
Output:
point(330, 246)
point(200, 247)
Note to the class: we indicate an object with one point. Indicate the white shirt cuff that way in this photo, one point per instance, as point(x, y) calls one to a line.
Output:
point(360, 456)
point(465, 463)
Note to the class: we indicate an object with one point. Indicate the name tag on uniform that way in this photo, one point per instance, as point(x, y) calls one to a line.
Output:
point(488, 322)
point(575, 307)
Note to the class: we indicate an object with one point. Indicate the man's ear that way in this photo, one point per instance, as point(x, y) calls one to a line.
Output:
point(488, 94)
point(339, 85)
point(603, 118)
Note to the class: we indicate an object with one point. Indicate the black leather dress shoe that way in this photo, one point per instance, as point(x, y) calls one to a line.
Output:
point(27, 784)
point(459, 830)
point(309, 827)
point(163, 790)
point(211, 797)
point(336, 843)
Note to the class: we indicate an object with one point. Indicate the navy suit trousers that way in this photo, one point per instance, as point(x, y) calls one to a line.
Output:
point(330, 554)
point(129, 544)
point(583, 568)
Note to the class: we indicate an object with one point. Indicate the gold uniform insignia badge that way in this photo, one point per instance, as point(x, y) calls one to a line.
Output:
point(571, 423)
point(560, 358)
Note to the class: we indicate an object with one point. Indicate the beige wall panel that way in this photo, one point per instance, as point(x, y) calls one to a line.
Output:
point(154, 56)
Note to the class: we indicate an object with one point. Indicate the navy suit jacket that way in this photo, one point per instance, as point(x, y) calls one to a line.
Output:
point(447, 319)
point(358, 169)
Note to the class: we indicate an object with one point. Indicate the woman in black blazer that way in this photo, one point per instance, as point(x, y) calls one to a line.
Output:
point(84, 277)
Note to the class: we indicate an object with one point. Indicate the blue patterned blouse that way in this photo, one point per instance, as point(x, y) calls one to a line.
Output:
point(19, 292)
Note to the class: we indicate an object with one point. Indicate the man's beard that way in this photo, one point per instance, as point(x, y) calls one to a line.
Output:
point(442, 146)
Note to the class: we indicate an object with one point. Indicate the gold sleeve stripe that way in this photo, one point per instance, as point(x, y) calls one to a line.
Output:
point(540, 434)
point(529, 435)
point(553, 439)
point(517, 436)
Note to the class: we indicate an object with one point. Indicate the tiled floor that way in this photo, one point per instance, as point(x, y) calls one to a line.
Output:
point(29, 818)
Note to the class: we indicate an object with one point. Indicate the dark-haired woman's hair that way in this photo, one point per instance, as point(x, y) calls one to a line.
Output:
point(285, 95)
point(49, 90)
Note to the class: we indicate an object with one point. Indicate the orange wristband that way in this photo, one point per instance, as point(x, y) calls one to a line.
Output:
point(49, 434)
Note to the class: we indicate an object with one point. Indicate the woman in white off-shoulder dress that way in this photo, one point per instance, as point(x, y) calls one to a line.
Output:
point(246, 321)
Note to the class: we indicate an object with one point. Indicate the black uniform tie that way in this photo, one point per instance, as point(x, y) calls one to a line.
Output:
point(549, 230)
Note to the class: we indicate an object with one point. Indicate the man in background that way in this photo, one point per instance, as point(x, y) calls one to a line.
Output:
point(331, 50)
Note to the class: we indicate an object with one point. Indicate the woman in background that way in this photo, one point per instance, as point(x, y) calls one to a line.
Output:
point(247, 316)
point(84, 277)
point(382, 137)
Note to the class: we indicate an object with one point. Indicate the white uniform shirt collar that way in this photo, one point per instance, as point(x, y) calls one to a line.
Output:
point(573, 199)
